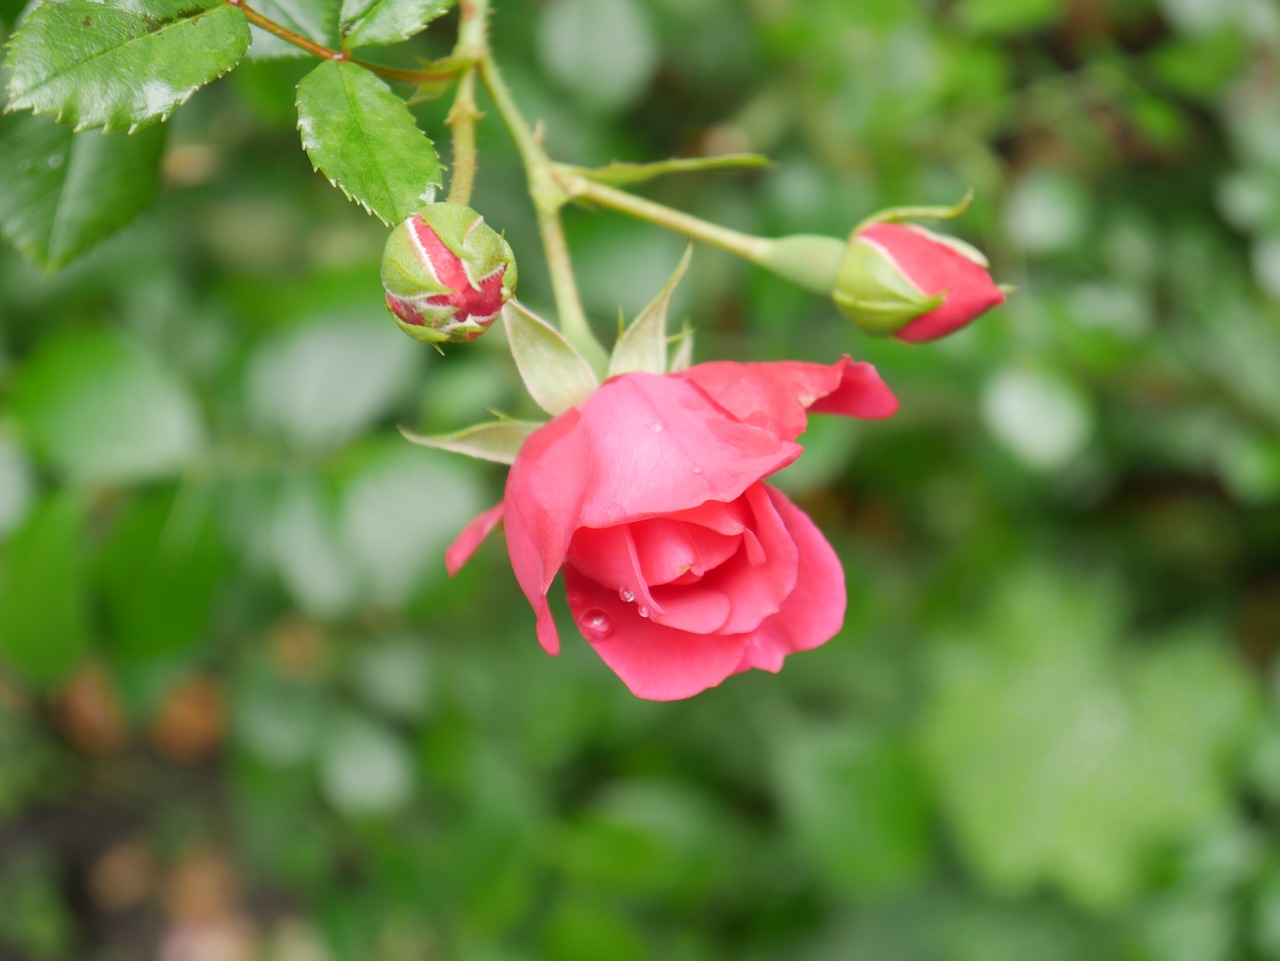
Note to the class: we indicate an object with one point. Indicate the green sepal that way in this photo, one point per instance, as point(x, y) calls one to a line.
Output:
point(620, 174)
point(682, 351)
point(937, 212)
point(809, 261)
point(498, 440)
point(873, 292)
point(420, 332)
point(643, 345)
point(555, 374)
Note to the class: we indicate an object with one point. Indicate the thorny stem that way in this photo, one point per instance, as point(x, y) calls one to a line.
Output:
point(547, 198)
point(551, 185)
point(462, 122)
point(464, 114)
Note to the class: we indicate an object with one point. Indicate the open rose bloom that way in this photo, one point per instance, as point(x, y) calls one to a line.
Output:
point(682, 566)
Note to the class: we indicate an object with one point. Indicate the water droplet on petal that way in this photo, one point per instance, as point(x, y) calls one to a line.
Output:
point(595, 622)
point(642, 611)
point(627, 595)
point(574, 598)
point(697, 470)
point(656, 427)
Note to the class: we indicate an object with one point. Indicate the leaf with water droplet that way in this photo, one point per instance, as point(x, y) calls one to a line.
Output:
point(64, 192)
point(121, 65)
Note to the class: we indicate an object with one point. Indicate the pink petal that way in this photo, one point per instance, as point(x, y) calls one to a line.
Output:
point(775, 396)
point(657, 663)
point(814, 611)
point(602, 556)
point(670, 549)
point(935, 268)
point(464, 545)
point(658, 444)
point(543, 498)
point(696, 609)
point(756, 591)
point(861, 394)
point(728, 519)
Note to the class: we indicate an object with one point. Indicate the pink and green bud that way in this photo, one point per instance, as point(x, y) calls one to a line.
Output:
point(446, 274)
point(908, 282)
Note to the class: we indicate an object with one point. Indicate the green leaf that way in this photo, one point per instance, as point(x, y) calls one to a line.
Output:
point(643, 345)
point(42, 597)
point(498, 440)
point(366, 23)
point(363, 138)
point(556, 376)
point(103, 408)
point(121, 64)
point(621, 174)
point(64, 192)
point(314, 19)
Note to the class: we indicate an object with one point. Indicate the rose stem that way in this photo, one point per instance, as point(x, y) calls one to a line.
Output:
point(547, 198)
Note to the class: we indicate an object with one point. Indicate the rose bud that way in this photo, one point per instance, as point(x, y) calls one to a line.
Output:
point(904, 280)
point(682, 565)
point(446, 274)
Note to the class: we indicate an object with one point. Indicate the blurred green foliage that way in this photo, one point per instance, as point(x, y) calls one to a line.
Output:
point(243, 712)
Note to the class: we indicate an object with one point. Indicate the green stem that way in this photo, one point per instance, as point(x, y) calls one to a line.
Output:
point(547, 198)
point(327, 53)
point(462, 125)
point(284, 33)
point(578, 187)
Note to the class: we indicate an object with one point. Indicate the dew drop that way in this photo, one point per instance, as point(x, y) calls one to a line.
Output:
point(697, 470)
point(595, 622)
point(627, 595)
point(642, 611)
point(656, 427)
point(574, 598)
point(55, 161)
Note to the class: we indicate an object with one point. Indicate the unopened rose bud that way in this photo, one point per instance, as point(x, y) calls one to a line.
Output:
point(446, 274)
point(913, 284)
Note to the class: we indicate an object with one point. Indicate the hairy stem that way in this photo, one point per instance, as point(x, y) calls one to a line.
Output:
point(464, 113)
point(547, 198)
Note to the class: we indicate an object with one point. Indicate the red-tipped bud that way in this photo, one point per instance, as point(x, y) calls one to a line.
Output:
point(446, 274)
point(903, 280)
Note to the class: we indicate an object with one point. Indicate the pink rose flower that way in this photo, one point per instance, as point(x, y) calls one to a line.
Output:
point(936, 265)
point(682, 566)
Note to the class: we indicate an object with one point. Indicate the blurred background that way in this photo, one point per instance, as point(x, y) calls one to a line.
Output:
point(244, 715)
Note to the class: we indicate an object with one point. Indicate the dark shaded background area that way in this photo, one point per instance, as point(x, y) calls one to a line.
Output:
point(244, 715)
